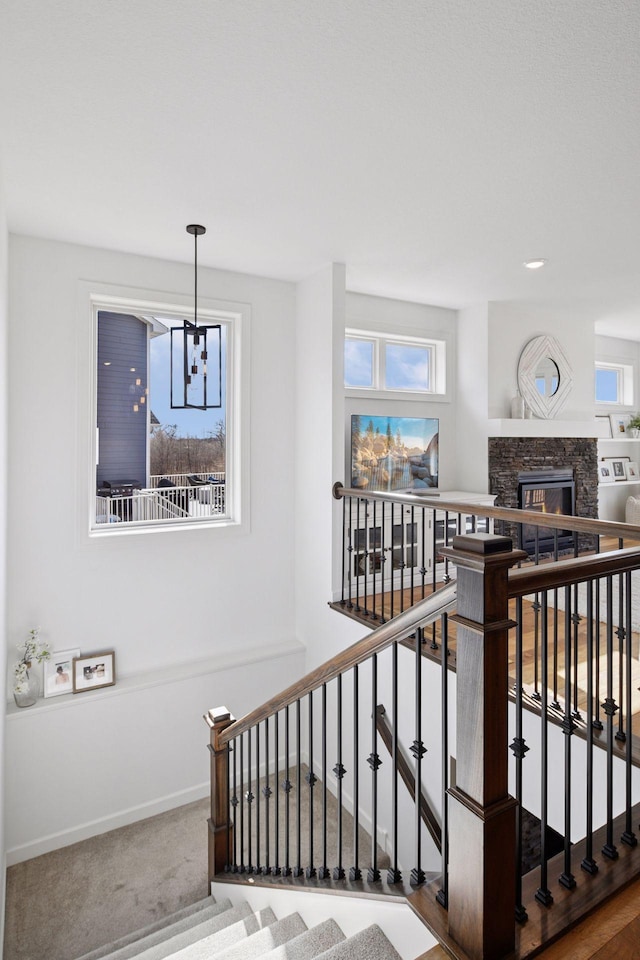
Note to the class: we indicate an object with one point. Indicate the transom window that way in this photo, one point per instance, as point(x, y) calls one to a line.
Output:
point(407, 364)
point(614, 383)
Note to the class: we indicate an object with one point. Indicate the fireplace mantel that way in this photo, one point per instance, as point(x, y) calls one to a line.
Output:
point(583, 429)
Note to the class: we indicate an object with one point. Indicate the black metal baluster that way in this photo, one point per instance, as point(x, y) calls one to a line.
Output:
point(519, 749)
point(418, 750)
point(234, 804)
point(374, 762)
point(628, 837)
point(620, 735)
point(297, 870)
point(610, 709)
point(344, 546)
point(323, 870)
point(339, 770)
point(589, 865)
point(391, 549)
point(597, 723)
point(423, 565)
point(383, 561)
point(266, 793)
point(353, 573)
point(442, 895)
point(403, 547)
point(286, 786)
point(414, 551)
point(393, 873)
point(555, 703)
point(258, 867)
point(275, 870)
point(374, 559)
point(311, 780)
point(543, 894)
point(366, 533)
point(576, 620)
point(567, 878)
point(355, 873)
point(359, 554)
point(241, 869)
point(535, 606)
point(249, 798)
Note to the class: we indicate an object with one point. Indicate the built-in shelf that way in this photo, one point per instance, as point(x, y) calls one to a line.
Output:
point(619, 483)
point(543, 428)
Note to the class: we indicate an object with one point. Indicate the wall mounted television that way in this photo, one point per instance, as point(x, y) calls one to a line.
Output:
point(394, 453)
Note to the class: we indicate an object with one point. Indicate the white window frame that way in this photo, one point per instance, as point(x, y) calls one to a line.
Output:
point(625, 373)
point(437, 372)
point(237, 318)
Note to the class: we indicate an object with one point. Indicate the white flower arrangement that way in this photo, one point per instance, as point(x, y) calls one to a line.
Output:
point(33, 649)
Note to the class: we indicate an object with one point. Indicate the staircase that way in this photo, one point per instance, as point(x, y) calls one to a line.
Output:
point(219, 930)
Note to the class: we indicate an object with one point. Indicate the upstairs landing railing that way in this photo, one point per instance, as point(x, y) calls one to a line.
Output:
point(315, 750)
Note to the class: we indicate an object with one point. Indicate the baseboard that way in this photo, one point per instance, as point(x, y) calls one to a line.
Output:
point(93, 828)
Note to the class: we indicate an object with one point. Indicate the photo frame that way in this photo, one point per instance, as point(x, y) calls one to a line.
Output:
point(605, 473)
point(619, 424)
point(631, 467)
point(617, 467)
point(58, 672)
point(603, 427)
point(94, 671)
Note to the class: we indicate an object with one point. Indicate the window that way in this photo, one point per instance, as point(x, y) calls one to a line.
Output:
point(158, 460)
point(389, 363)
point(614, 383)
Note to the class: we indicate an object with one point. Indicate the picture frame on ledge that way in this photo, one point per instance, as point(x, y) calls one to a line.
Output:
point(605, 473)
point(94, 671)
point(617, 466)
point(58, 672)
point(603, 427)
point(619, 424)
point(631, 467)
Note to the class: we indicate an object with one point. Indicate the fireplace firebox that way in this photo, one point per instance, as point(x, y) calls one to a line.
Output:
point(549, 491)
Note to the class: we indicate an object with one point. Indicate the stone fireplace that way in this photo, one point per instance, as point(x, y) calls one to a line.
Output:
point(511, 457)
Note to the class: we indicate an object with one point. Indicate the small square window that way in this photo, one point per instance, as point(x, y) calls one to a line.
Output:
point(358, 363)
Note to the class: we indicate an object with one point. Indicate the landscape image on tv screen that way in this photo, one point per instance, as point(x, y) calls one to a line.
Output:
point(394, 453)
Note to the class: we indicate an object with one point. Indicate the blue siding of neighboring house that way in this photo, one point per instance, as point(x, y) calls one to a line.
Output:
point(123, 432)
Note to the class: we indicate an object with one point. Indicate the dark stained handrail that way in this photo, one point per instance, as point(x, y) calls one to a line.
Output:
point(601, 528)
point(563, 573)
point(402, 626)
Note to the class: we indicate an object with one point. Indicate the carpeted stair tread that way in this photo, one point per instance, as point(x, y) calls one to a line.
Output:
point(251, 947)
point(370, 943)
point(195, 912)
point(310, 944)
point(235, 923)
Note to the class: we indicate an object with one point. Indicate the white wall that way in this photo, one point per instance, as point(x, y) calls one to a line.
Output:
point(472, 398)
point(183, 601)
point(3, 526)
point(511, 325)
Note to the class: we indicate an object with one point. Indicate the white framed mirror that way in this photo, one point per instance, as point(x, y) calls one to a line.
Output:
point(544, 377)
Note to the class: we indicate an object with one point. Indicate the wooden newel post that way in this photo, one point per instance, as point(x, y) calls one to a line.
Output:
point(482, 831)
point(220, 829)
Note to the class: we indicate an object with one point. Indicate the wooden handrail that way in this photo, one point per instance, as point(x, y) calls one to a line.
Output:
point(402, 626)
point(564, 573)
point(601, 528)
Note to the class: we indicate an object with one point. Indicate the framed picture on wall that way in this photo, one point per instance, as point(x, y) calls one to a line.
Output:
point(58, 672)
point(94, 671)
point(394, 453)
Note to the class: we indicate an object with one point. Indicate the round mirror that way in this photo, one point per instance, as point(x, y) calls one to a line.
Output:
point(547, 377)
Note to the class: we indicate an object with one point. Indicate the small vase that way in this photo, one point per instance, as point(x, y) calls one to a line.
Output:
point(29, 689)
point(517, 407)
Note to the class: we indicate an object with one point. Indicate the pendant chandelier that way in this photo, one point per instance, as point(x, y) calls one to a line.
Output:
point(193, 347)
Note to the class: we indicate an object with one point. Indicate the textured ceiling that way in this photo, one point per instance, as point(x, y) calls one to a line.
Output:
point(431, 145)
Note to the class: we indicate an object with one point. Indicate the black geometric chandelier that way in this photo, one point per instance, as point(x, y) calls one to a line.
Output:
point(194, 383)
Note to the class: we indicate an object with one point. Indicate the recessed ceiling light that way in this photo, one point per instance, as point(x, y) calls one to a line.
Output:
point(534, 264)
point(107, 363)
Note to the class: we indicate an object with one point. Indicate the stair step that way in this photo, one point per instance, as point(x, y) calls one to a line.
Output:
point(234, 924)
point(370, 943)
point(256, 945)
point(201, 907)
point(310, 944)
